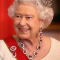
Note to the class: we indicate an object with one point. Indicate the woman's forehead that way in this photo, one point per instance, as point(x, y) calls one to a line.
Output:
point(26, 9)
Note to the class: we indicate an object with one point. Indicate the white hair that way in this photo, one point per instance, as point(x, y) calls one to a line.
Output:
point(44, 13)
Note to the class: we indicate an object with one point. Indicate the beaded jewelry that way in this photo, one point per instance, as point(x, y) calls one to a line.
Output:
point(38, 47)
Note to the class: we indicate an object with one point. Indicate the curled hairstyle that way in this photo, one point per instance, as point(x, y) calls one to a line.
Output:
point(45, 13)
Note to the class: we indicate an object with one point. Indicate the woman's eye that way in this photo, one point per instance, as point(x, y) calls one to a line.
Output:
point(18, 16)
point(29, 17)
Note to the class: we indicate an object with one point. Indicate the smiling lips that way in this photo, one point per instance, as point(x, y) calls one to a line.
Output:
point(23, 30)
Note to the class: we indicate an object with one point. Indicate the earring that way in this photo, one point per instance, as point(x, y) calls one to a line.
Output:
point(40, 32)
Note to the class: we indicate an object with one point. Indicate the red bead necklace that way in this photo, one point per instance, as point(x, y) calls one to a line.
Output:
point(35, 53)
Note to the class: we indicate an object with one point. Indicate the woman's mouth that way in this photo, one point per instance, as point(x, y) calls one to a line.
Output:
point(24, 30)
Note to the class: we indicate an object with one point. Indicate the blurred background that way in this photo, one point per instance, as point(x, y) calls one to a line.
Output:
point(56, 8)
point(54, 29)
point(7, 24)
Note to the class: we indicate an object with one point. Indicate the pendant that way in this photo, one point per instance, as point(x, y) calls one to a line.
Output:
point(13, 49)
point(30, 57)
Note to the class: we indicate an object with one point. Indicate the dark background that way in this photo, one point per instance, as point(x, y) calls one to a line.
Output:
point(56, 8)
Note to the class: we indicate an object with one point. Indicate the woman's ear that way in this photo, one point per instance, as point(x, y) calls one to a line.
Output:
point(41, 23)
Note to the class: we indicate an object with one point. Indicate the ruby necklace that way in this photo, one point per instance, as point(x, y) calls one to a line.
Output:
point(35, 53)
point(13, 48)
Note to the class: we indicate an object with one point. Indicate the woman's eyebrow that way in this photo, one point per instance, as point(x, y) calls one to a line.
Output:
point(30, 15)
point(17, 14)
point(25, 14)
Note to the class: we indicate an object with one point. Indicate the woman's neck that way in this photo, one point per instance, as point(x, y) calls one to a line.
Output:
point(31, 42)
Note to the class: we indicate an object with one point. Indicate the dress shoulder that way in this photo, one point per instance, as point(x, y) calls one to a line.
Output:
point(1, 44)
point(1, 49)
point(5, 52)
point(55, 41)
point(54, 53)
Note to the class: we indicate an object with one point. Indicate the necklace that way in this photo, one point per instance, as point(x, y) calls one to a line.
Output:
point(13, 48)
point(35, 53)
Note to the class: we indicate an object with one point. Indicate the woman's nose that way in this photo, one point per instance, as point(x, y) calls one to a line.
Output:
point(23, 21)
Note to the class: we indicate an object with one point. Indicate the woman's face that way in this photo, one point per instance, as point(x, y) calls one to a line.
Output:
point(26, 21)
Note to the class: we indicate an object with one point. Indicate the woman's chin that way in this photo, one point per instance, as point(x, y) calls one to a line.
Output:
point(24, 36)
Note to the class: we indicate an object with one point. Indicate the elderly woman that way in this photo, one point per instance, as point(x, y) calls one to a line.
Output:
point(30, 17)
